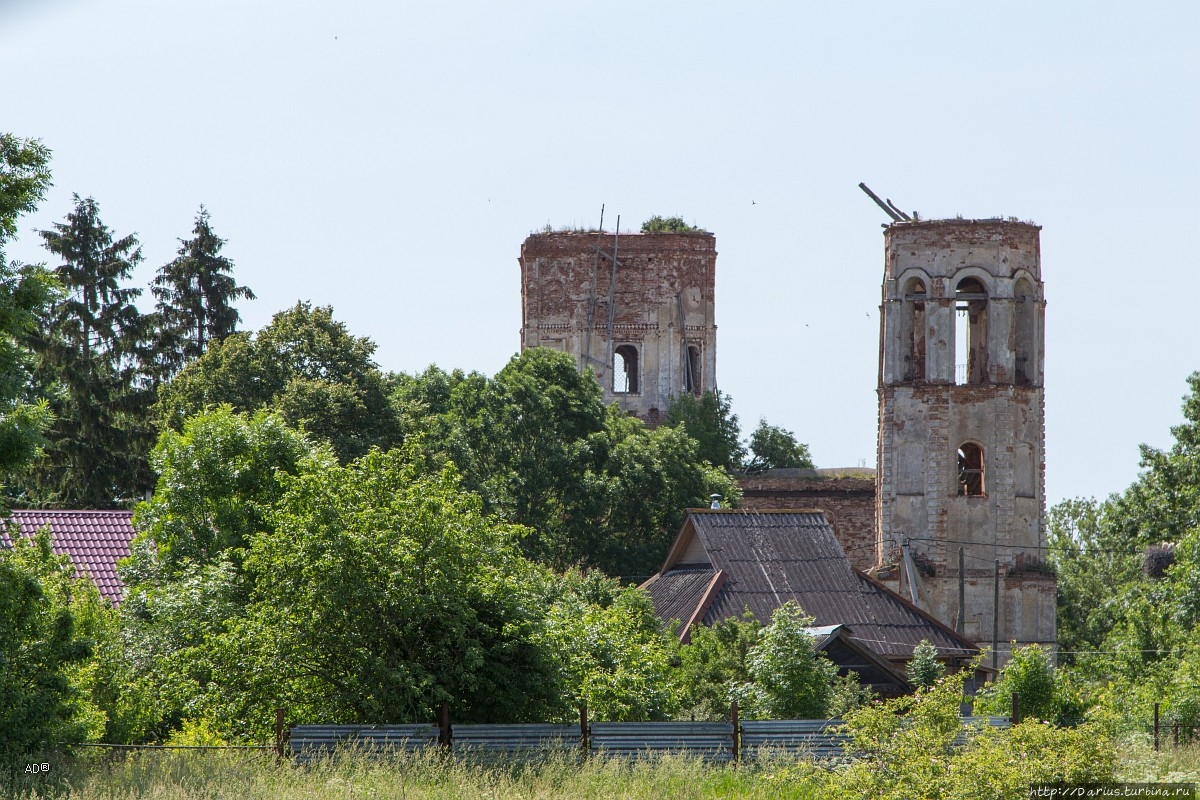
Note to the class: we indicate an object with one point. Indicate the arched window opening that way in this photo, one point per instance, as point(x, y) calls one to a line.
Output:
point(691, 370)
point(970, 332)
point(1025, 334)
point(912, 331)
point(970, 470)
point(625, 370)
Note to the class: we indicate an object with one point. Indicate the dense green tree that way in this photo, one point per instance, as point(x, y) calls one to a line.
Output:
point(196, 292)
point(611, 650)
point(713, 668)
point(660, 224)
point(382, 592)
point(219, 482)
point(535, 442)
point(1030, 674)
point(24, 292)
point(306, 366)
point(1106, 601)
point(791, 680)
point(1090, 563)
point(924, 670)
point(40, 706)
point(87, 344)
point(709, 420)
point(773, 446)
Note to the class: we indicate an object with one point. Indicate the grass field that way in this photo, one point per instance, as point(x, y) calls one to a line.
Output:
point(254, 776)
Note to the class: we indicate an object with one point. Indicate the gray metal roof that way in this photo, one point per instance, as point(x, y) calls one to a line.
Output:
point(771, 557)
point(682, 591)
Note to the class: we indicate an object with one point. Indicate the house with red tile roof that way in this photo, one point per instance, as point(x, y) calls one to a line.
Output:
point(93, 540)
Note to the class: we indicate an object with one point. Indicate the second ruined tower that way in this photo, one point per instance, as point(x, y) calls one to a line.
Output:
point(961, 454)
point(636, 309)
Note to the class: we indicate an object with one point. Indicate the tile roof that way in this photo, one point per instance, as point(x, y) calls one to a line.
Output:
point(94, 540)
point(769, 558)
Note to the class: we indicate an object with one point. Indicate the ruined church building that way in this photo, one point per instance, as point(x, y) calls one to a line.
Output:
point(955, 518)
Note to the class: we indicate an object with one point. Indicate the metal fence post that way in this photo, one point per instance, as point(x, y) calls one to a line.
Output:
point(737, 731)
point(584, 741)
point(278, 735)
point(444, 725)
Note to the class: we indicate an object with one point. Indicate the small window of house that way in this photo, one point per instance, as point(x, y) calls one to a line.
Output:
point(970, 470)
point(625, 370)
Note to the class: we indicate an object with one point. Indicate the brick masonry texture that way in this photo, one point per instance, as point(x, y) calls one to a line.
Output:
point(657, 299)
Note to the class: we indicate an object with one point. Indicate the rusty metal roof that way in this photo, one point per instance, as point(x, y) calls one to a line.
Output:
point(94, 541)
point(771, 557)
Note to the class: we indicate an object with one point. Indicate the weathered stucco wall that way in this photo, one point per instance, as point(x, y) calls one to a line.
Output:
point(657, 298)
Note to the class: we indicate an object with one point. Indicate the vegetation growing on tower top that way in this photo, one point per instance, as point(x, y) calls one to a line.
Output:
point(657, 224)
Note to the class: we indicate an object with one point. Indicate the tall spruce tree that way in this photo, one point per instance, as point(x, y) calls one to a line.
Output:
point(87, 344)
point(195, 294)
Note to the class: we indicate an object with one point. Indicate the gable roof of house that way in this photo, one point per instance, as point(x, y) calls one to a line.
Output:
point(94, 541)
point(758, 560)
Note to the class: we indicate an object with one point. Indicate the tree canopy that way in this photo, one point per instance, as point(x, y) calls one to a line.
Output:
point(596, 487)
point(195, 294)
point(306, 366)
point(773, 447)
point(87, 345)
point(25, 291)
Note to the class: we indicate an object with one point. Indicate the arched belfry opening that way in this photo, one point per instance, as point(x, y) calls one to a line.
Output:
point(970, 470)
point(693, 371)
point(1025, 339)
point(970, 332)
point(625, 370)
point(912, 330)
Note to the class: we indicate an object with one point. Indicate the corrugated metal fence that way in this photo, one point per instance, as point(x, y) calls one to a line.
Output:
point(712, 742)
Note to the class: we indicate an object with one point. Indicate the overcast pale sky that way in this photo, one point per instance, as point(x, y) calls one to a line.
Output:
point(388, 159)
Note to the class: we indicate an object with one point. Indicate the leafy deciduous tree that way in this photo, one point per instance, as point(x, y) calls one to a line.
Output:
point(39, 647)
point(306, 366)
point(24, 292)
point(383, 591)
point(709, 420)
point(611, 651)
point(713, 669)
point(791, 681)
point(774, 447)
point(924, 670)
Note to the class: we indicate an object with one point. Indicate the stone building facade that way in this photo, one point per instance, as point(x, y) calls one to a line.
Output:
point(961, 450)
point(636, 309)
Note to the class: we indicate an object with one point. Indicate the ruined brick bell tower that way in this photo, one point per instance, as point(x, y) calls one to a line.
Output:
point(636, 309)
point(962, 428)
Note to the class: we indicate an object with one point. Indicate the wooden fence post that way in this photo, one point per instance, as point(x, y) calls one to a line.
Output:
point(444, 725)
point(737, 731)
point(1015, 716)
point(278, 735)
point(584, 739)
point(1156, 727)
